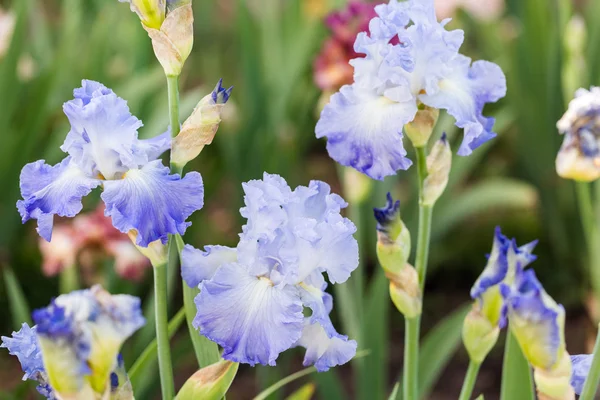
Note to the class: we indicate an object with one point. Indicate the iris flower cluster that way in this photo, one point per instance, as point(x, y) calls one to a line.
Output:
point(507, 293)
point(72, 351)
point(103, 149)
point(422, 70)
point(253, 297)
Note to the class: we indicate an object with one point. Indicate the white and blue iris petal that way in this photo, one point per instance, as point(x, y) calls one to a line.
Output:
point(25, 346)
point(52, 190)
point(535, 319)
point(198, 265)
point(253, 320)
point(410, 59)
point(581, 364)
point(325, 349)
point(153, 202)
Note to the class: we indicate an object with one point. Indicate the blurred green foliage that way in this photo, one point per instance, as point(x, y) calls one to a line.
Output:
point(265, 49)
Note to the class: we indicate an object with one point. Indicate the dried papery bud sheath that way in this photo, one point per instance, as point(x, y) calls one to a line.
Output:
point(405, 291)
point(439, 163)
point(200, 128)
point(156, 251)
point(209, 383)
point(479, 335)
point(173, 40)
point(151, 12)
point(419, 130)
point(393, 238)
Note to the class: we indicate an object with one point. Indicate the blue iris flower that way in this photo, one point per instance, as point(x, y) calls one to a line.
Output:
point(104, 150)
point(252, 297)
point(363, 121)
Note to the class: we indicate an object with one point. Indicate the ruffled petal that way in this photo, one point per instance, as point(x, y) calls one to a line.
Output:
point(464, 91)
point(364, 131)
point(198, 265)
point(324, 350)
point(25, 346)
point(250, 318)
point(152, 202)
point(52, 190)
point(152, 148)
point(581, 368)
point(103, 136)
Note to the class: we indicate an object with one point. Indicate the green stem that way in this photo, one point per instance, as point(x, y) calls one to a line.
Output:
point(469, 383)
point(592, 234)
point(593, 379)
point(69, 279)
point(413, 325)
point(162, 332)
point(173, 89)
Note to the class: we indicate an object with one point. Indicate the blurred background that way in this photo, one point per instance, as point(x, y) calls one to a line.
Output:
point(284, 58)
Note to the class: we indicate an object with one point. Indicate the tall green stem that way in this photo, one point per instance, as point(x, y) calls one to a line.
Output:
point(162, 332)
point(591, 383)
point(592, 234)
point(469, 382)
point(413, 325)
point(173, 88)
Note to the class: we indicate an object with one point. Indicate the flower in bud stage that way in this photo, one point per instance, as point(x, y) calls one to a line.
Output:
point(419, 130)
point(209, 383)
point(439, 163)
point(156, 251)
point(200, 128)
point(393, 238)
point(482, 325)
point(579, 155)
point(357, 186)
point(151, 12)
point(405, 291)
point(538, 322)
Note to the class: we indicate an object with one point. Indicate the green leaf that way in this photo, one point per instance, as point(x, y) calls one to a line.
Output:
point(19, 308)
point(304, 393)
point(517, 382)
point(395, 391)
point(137, 373)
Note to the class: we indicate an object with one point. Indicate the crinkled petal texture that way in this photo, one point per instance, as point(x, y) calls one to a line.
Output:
point(464, 91)
point(248, 316)
point(409, 59)
point(103, 137)
point(25, 346)
point(325, 350)
point(152, 202)
point(81, 334)
point(364, 131)
point(536, 320)
point(581, 368)
point(52, 190)
point(198, 265)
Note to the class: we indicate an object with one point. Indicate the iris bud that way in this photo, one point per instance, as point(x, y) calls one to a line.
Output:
point(439, 162)
point(555, 384)
point(151, 12)
point(200, 128)
point(479, 335)
point(420, 129)
point(156, 251)
point(209, 383)
point(393, 237)
point(405, 291)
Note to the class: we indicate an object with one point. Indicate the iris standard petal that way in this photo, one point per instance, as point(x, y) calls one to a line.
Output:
point(324, 350)
point(103, 132)
point(52, 190)
point(248, 316)
point(364, 131)
point(152, 148)
point(198, 265)
point(152, 202)
point(464, 91)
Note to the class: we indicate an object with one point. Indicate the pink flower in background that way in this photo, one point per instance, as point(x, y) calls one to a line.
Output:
point(480, 9)
point(85, 241)
point(331, 68)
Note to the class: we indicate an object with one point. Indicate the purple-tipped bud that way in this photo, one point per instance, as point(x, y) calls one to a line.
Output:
point(220, 95)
